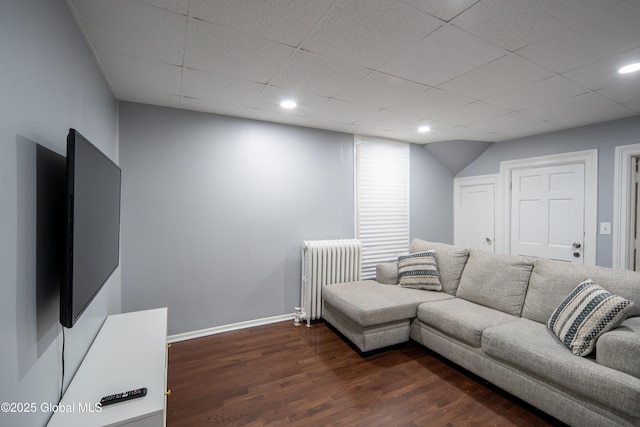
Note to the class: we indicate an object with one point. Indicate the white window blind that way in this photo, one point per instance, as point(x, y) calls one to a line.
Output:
point(382, 201)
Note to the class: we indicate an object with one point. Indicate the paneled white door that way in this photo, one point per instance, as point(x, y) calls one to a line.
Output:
point(476, 220)
point(474, 212)
point(547, 212)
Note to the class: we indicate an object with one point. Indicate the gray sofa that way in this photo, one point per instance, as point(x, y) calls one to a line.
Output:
point(491, 318)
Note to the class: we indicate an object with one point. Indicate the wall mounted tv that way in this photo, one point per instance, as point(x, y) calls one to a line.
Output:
point(92, 225)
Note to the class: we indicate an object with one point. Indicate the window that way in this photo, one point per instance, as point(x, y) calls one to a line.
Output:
point(382, 201)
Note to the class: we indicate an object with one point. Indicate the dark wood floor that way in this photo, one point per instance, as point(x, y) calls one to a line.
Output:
point(282, 375)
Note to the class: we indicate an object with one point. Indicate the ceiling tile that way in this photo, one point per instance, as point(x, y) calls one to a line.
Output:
point(241, 57)
point(369, 32)
point(427, 104)
point(515, 24)
point(212, 106)
point(341, 127)
point(219, 50)
point(177, 6)
point(271, 97)
point(436, 126)
point(415, 137)
point(133, 29)
point(503, 74)
point(624, 92)
point(445, 10)
point(521, 132)
point(327, 124)
point(405, 124)
point(283, 21)
point(635, 106)
point(476, 114)
point(463, 132)
point(579, 110)
point(380, 90)
point(276, 116)
point(441, 56)
point(128, 74)
point(614, 31)
point(511, 124)
point(342, 111)
point(527, 96)
point(604, 73)
point(424, 138)
point(292, 119)
point(316, 75)
point(206, 86)
point(390, 120)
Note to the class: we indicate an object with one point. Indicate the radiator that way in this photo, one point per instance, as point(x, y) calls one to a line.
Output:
point(325, 262)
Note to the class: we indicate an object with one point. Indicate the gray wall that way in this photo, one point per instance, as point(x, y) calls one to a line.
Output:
point(215, 210)
point(49, 82)
point(431, 197)
point(603, 136)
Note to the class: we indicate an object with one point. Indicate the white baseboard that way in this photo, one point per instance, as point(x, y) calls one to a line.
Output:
point(228, 328)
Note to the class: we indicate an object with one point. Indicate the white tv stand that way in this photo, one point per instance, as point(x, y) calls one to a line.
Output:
point(129, 352)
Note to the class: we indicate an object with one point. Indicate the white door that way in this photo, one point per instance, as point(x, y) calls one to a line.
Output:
point(475, 216)
point(547, 212)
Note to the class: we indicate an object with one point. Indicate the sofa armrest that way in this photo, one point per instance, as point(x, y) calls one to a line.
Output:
point(619, 348)
point(387, 273)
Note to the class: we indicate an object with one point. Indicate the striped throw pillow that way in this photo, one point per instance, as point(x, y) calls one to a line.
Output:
point(585, 314)
point(419, 271)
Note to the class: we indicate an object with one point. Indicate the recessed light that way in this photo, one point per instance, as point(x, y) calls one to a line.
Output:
point(424, 129)
point(288, 104)
point(630, 68)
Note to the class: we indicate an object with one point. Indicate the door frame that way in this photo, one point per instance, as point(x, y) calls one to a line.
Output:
point(622, 201)
point(471, 181)
point(590, 160)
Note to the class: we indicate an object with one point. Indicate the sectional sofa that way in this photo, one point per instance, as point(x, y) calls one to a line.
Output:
point(562, 337)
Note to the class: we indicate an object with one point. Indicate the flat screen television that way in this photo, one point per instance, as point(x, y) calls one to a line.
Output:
point(92, 249)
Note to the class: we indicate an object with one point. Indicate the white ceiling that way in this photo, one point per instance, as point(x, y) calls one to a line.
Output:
point(486, 70)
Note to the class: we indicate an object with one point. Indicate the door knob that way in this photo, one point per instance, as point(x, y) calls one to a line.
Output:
point(488, 240)
point(577, 245)
point(576, 254)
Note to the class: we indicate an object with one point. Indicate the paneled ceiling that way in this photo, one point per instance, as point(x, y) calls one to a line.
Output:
point(484, 70)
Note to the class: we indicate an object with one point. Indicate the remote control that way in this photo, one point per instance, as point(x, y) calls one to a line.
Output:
point(121, 397)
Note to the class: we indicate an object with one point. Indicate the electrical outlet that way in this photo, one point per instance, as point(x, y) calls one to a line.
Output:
point(605, 228)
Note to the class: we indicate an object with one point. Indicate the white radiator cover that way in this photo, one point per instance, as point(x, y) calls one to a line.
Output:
point(325, 262)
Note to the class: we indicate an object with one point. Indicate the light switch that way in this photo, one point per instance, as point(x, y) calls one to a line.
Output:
point(605, 228)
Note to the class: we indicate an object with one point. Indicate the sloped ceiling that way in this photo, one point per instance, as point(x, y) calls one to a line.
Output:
point(456, 155)
point(483, 70)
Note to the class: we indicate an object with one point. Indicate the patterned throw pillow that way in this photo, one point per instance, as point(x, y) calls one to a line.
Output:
point(419, 271)
point(585, 314)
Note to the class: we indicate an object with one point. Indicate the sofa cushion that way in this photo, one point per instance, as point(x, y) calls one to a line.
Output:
point(369, 303)
point(370, 337)
point(531, 347)
point(619, 349)
point(451, 262)
point(419, 270)
point(461, 319)
point(387, 273)
point(586, 313)
point(496, 280)
point(551, 281)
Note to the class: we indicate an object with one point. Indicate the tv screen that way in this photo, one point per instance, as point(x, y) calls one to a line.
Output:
point(92, 228)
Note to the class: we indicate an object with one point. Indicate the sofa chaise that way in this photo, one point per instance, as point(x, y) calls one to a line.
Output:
point(506, 318)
